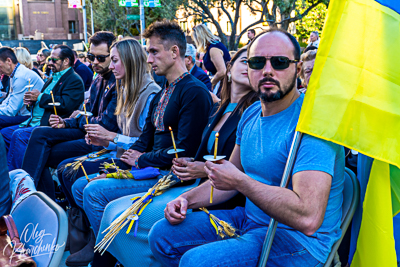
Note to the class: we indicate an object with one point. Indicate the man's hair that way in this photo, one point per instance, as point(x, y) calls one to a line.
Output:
point(46, 52)
point(292, 39)
point(7, 52)
point(75, 53)
point(66, 52)
point(309, 48)
point(252, 31)
point(191, 51)
point(102, 37)
point(170, 33)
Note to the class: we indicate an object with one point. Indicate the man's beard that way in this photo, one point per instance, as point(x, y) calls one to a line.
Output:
point(102, 70)
point(281, 93)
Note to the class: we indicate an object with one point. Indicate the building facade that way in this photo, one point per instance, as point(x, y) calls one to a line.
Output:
point(39, 20)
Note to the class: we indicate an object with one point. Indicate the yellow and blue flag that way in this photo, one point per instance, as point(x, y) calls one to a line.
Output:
point(353, 99)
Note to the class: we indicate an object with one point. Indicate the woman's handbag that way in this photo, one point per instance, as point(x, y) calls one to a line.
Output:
point(12, 251)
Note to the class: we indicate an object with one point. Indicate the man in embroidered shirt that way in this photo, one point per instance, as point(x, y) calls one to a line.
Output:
point(12, 109)
point(309, 211)
point(68, 91)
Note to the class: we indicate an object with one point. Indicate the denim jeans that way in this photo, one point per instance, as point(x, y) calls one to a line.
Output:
point(93, 197)
point(5, 194)
point(7, 121)
point(194, 243)
point(16, 139)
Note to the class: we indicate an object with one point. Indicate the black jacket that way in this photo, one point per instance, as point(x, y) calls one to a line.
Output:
point(202, 76)
point(85, 73)
point(69, 92)
point(102, 103)
point(187, 114)
point(227, 133)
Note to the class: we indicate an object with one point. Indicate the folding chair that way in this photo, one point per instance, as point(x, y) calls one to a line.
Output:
point(351, 197)
point(43, 228)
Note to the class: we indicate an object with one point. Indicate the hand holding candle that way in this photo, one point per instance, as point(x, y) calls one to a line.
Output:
point(54, 104)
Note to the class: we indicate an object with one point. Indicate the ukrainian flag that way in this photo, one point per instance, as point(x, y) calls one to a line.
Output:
point(353, 99)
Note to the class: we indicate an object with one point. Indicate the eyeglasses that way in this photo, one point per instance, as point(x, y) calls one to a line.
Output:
point(100, 58)
point(54, 59)
point(40, 55)
point(277, 62)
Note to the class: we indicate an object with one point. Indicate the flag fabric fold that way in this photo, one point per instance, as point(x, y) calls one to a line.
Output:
point(353, 99)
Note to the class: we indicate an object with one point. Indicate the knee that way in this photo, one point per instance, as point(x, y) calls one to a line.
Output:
point(91, 195)
point(158, 238)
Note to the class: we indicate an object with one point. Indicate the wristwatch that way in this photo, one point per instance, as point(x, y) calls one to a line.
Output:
point(115, 140)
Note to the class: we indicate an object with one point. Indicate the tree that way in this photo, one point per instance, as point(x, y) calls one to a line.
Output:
point(314, 21)
point(280, 14)
point(109, 16)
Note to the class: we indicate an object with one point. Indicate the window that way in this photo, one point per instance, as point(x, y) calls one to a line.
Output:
point(183, 25)
point(72, 26)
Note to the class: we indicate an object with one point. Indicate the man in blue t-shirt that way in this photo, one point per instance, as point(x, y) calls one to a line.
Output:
point(309, 211)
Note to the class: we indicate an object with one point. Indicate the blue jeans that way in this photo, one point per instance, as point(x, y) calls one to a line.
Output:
point(16, 139)
point(7, 121)
point(93, 197)
point(194, 243)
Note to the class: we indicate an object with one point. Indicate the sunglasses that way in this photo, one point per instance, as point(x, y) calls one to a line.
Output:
point(278, 62)
point(100, 58)
point(54, 59)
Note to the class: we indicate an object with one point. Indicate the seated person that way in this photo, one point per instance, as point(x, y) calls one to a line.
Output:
point(128, 63)
point(309, 210)
point(190, 62)
point(307, 67)
point(67, 89)
point(237, 96)
point(49, 146)
point(12, 109)
point(83, 71)
point(184, 106)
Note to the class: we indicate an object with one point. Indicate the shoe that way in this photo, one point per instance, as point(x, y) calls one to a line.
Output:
point(84, 256)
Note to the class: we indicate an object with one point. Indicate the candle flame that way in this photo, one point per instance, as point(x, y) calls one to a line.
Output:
point(217, 135)
point(51, 92)
point(170, 128)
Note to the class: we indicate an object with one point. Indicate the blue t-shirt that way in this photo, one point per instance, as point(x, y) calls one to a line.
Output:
point(264, 147)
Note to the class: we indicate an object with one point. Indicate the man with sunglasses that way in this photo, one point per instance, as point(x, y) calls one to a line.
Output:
point(309, 211)
point(67, 89)
point(66, 137)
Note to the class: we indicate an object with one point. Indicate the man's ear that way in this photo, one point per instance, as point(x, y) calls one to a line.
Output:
point(299, 66)
point(175, 51)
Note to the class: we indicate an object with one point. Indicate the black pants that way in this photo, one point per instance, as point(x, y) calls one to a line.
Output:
point(48, 147)
point(5, 195)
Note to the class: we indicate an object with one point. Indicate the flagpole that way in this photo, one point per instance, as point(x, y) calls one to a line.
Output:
point(284, 183)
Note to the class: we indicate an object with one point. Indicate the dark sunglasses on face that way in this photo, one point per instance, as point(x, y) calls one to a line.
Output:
point(53, 59)
point(100, 58)
point(277, 62)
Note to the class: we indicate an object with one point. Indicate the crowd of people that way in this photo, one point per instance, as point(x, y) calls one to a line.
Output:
point(119, 105)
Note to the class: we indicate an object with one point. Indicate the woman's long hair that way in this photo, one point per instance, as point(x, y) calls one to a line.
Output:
point(202, 36)
point(246, 100)
point(134, 59)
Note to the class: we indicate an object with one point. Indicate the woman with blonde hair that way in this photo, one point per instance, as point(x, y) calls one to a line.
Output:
point(216, 54)
point(23, 57)
point(135, 90)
